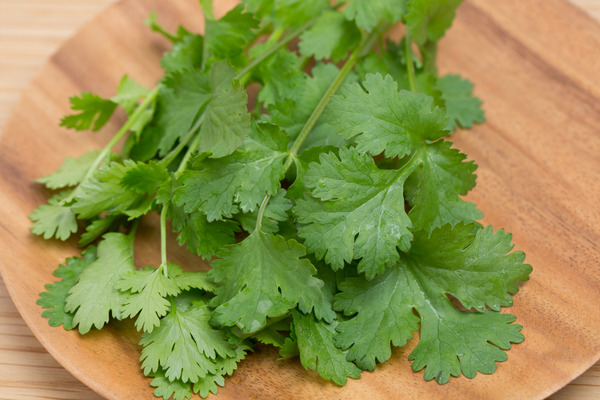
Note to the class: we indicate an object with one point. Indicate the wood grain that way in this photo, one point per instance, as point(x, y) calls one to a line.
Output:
point(27, 371)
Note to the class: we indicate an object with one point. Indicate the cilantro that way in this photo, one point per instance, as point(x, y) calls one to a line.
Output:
point(383, 119)
point(104, 192)
point(342, 34)
point(93, 298)
point(128, 94)
point(428, 20)
point(53, 220)
point(94, 112)
point(215, 100)
point(228, 36)
point(185, 345)
point(263, 276)
point(317, 350)
point(71, 172)
point(221, 187)
point(281, 74)
point(461, 107)
point(362, 213)
point(200, 236)
point(476, 269)
point(368, 13)
point(55, 296)
point(146, 291)
point(298, 12)
point(291, 114)
point(306, 158)
point(96, 228)
point(186, 54)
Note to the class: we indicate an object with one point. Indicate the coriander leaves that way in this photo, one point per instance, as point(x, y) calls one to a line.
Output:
point(327, 199)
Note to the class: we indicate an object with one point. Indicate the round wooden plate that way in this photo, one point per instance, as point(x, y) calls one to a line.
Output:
point(534, 64)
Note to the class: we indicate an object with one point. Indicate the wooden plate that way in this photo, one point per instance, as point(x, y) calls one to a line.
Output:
point(536, 66)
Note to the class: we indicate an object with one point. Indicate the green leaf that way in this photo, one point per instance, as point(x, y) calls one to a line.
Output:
point(476, 269)
point(294, 13)
point(290, 347)
point(318, 351)
point(94, 112)
point(53, 220)
point(195, 280)
point(224, 367)
point(216, 98)
point(221, 187)
point(128, 94)
point(145, 294)
point(152, 23)
point(341, 36)
point(262, 277)
point(383, 119)
point(260, 8)
point(280, 74)
point(145, 178)
point(271, 335)
point(71, 172)
point(55, 296)
point(291, 115)
point(186, 54)
point(185, 345)
point(200, 236)
point(428, 20)
point(228, 36)
point(96, 228)
point(104, 192)
point(277, 211)
point(445, 176)
point(94, 298)
point(170, 389)
point(462, 107)
point(368, 13)
point(361, 213)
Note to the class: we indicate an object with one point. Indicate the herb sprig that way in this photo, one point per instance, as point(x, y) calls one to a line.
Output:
point(332, 212)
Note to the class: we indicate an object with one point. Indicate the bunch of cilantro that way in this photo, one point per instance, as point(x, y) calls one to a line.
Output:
point(332, 211)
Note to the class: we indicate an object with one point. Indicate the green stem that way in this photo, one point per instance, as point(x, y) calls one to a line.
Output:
point(163, 239)
point(134, 228)
point(283, 43)
point(410, 166)
point(331, 90)
point(366, 43)
point(429, 56)
point(107, 149)
point(410, 66)
point(261, 212)
point(193, 147)
point(173, 154)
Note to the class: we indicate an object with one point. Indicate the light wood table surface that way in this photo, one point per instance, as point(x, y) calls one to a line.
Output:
point(30, 31)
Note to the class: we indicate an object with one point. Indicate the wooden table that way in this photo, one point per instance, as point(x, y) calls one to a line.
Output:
point(30, 31)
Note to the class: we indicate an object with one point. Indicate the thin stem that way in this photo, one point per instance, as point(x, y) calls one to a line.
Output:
point(193, 147)
point(366, 43)
point(134, 227)
point(173, 154)
point(410, 66)
point(163, 239)
point(335, 85)
point(410, 166)
point(261, 212)
point(106, 151)
point(283, 43)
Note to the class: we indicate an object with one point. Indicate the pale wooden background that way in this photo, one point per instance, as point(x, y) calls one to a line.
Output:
point(30, 31)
